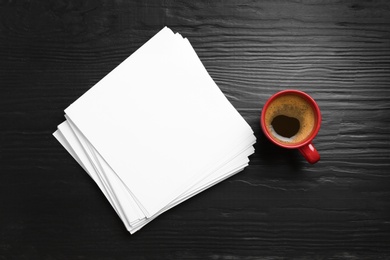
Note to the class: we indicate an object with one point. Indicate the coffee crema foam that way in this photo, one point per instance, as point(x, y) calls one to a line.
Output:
point(291, 105)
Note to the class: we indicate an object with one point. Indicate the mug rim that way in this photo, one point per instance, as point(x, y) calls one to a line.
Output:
point(315, 107)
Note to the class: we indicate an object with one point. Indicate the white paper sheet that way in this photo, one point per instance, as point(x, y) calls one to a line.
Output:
point(156, 130)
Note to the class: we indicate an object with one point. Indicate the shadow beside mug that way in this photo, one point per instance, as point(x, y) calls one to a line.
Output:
point(270, 153)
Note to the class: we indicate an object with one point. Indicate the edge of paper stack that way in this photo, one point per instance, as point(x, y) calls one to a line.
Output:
point(156, 131)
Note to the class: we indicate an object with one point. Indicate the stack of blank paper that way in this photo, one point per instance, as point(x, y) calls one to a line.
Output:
point(155, 131)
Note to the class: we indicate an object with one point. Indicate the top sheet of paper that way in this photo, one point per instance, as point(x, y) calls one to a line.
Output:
point(159, 103)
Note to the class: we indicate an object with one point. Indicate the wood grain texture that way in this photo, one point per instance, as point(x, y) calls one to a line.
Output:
point(280, 207)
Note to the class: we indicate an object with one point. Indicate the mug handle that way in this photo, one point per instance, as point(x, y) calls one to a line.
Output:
point(310, 153)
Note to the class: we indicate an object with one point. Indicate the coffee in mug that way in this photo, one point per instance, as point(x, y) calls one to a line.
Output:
point(291, 119)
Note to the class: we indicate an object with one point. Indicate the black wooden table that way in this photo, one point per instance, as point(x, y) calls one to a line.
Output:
point(279, 207)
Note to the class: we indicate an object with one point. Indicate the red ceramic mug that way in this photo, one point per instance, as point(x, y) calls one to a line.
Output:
point(291, 119)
